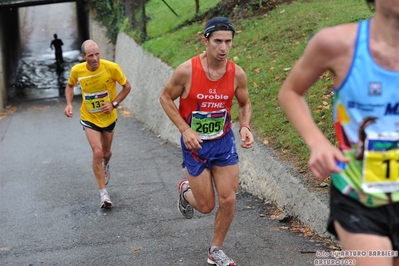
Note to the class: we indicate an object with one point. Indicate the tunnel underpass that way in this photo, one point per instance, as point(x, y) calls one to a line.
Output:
point(28, 62)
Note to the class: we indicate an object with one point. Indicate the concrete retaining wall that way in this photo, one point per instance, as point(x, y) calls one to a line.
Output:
point(261, 174)
point(3, 83)
point(98, 33)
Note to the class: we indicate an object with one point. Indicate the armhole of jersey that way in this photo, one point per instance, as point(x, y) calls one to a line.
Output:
point(360, 30)
point(194, 62)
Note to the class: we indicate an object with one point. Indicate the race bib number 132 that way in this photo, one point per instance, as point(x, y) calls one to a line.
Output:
point(95, 101)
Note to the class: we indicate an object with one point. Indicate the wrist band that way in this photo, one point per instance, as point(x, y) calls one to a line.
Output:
point(182, 131)
point(244, 125)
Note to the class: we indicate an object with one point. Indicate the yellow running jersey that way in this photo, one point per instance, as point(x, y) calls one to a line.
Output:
point(97, 87)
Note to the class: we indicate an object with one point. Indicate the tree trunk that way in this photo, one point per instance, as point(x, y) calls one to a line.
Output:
point(144, 21)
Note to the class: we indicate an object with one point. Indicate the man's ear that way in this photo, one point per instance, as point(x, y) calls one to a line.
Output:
point(205, 40)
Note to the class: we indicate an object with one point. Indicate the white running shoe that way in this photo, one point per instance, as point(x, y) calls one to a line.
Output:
point(217, 257)
point(184, 207)
point(105, 201)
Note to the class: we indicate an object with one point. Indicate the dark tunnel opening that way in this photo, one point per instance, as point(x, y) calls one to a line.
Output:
point(29, 66)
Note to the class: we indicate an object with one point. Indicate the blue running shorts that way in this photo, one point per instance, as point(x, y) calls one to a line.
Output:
point(220, 152)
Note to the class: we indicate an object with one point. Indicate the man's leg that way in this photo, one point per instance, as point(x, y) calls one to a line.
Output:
point(97, 140)
point(201, 196)
point(226, 182)
point(367, 242)
point(106, 139)
point(94, 138)
point(106, 142)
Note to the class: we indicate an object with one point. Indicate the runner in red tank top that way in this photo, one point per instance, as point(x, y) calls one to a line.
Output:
point(205, 86)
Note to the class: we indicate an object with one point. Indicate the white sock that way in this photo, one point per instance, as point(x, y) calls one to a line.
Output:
point(213, 248)
point(103, 191)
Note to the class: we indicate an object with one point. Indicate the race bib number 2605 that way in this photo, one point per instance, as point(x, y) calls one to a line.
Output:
point(209, 125)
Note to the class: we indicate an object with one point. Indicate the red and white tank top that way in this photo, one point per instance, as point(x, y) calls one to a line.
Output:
point(207, 106)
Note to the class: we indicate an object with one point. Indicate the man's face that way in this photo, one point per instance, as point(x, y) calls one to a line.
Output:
point(92, 56)
point(219, 44)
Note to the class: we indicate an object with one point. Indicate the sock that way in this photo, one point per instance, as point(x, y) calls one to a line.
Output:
point(103, 191)
point(213, 248)
point(185, 188)
point(184, 194)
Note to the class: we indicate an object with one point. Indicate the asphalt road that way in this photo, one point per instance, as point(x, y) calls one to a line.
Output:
point(50, 209)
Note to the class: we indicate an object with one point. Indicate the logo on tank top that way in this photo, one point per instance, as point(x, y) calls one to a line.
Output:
point(375, 88)
point(215, 100)
point(392, 109)
point(201, 96)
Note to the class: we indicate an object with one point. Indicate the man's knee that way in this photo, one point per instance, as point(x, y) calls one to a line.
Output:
point(107, 155)
point(97, 154)
point(205, 206)
point(227, 201)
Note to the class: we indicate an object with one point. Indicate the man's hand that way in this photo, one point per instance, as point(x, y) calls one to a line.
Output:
point(323, 159)
point(107, 107)
point(68, 110)
point(191, 139)
point(246, 137)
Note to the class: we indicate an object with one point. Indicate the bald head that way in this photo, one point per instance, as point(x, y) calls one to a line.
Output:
point(86, 45)
point(91, 54)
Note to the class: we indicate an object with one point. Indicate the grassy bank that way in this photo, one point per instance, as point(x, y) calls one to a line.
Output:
point(266, 46)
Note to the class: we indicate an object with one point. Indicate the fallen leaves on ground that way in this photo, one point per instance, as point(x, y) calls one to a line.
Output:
point(126, 113)
point(8, 111)
point(298, 228)
point(40, 108)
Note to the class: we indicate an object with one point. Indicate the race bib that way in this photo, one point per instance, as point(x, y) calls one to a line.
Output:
point(381, 163)
point(208, 125)
point(95, 101)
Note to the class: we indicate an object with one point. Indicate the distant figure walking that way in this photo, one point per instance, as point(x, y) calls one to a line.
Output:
point(57, 43)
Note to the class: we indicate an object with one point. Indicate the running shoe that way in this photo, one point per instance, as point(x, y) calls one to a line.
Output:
point(107, 173)
point(217, 257)
point(105, 201)
point(184, 207)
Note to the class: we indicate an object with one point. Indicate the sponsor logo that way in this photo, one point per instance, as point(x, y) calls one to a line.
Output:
point(201, 96)
point(351, 104)
point(365, 107)
point(392, 109)
point(375, 88)
point(212, 105)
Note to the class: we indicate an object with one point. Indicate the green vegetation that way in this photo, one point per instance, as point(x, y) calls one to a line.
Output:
point(110, 14)
point(266, 47)
point(163, 20)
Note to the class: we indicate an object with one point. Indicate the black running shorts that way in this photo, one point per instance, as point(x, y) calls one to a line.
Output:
point(88, 124)
point(354, 217)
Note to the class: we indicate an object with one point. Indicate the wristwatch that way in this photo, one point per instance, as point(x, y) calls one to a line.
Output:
point(115, 104)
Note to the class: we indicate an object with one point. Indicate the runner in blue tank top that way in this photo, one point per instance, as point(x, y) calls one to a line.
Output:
point(364, 60)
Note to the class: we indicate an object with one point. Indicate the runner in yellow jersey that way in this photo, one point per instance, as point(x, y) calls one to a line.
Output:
point(98, 78)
